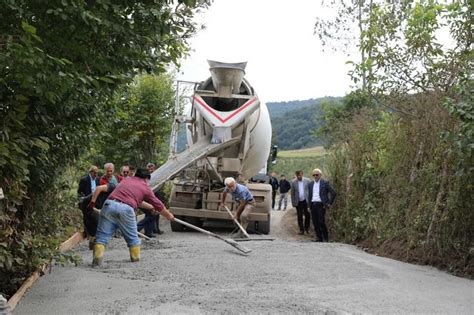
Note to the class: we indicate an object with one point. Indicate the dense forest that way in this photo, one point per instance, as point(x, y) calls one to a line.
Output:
point(294, 123)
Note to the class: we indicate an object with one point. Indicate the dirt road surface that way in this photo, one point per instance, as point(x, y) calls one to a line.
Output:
point(191, 273)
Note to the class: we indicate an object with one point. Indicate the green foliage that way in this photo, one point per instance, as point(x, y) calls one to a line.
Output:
point(293, 123)
point(406, 52)
point(401, 157)
point(334, 113)
point(30, 237)
point(294, 128)
point(279, 109)
point(60, 63)
point(142, 114)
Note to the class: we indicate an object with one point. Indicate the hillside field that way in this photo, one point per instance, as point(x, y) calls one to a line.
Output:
point(304, 159)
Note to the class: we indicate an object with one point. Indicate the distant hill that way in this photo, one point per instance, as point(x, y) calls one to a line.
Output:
point(294, 122)
point(277, 109)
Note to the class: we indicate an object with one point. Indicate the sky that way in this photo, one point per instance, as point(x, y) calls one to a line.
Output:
point(285, 59)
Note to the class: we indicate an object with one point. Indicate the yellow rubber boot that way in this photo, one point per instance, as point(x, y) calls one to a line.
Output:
point(134, 253)
point(99, 250)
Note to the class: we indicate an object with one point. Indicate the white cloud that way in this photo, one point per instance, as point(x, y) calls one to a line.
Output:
point(285, 60)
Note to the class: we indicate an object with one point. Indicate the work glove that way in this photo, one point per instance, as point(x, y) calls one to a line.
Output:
point(91, 205)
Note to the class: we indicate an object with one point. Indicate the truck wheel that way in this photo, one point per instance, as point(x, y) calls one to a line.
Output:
point(264, 226)
point(194, 221)
point(252, 227)
point(177, 227)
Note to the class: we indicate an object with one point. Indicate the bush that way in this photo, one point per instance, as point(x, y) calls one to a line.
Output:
point(398, 182)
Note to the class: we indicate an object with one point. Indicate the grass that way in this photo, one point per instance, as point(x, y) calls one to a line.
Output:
point(305, 159)
point(303, 153)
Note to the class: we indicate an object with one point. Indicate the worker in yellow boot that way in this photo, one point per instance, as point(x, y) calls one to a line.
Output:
point(134, 253)
point(98, 253)
point(118, 213)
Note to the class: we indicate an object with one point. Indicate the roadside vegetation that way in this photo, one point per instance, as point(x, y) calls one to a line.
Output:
point(401, 146)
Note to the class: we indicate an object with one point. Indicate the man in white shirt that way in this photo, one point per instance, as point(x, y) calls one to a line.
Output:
point(321, 196)
point(299, 199)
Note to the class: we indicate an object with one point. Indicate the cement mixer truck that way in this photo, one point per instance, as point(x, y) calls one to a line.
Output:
point(228, 133)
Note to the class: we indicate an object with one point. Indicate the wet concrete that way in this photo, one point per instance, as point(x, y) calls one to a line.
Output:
point(191, 273)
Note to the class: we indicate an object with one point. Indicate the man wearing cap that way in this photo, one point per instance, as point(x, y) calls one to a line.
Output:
point(321, 195)
point(243, 196)
point(119, 213)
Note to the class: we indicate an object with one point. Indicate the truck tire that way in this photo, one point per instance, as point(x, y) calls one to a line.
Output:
point(264, 226)
point(176, 227)
point(194, 221)
point(259, 227)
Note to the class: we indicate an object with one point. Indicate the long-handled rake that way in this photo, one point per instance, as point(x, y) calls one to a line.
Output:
point(231, 242)
point(237, 222)
point(241, 228)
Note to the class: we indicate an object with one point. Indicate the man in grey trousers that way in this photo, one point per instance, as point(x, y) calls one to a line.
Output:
point(299, 199)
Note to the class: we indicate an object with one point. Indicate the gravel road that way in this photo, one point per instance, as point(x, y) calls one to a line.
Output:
point(191, 273)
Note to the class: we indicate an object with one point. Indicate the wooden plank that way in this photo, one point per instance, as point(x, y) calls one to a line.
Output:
point(72, 241)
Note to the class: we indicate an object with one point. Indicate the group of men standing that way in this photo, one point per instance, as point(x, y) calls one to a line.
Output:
point(307, 195)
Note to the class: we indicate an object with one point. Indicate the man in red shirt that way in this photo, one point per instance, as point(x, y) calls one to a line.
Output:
point(119, 213)
point(109, 176)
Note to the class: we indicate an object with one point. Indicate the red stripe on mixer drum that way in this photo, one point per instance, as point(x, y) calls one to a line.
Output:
point(213, 112)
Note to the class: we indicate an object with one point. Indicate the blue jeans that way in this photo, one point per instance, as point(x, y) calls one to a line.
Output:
point(116, 215)
point(148, 223)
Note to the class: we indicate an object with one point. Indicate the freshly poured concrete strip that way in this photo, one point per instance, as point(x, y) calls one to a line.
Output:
point(190, 273)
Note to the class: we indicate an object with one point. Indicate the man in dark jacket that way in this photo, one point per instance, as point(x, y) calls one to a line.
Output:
point(275, 185)
point(321, 196)
point(90, 218)
point(88, 183)
point(284, 189)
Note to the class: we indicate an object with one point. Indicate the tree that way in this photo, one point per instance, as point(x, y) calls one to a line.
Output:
point(143, 112)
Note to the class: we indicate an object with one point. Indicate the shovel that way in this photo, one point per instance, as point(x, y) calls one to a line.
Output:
point(227, 240)
point(237, 222)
